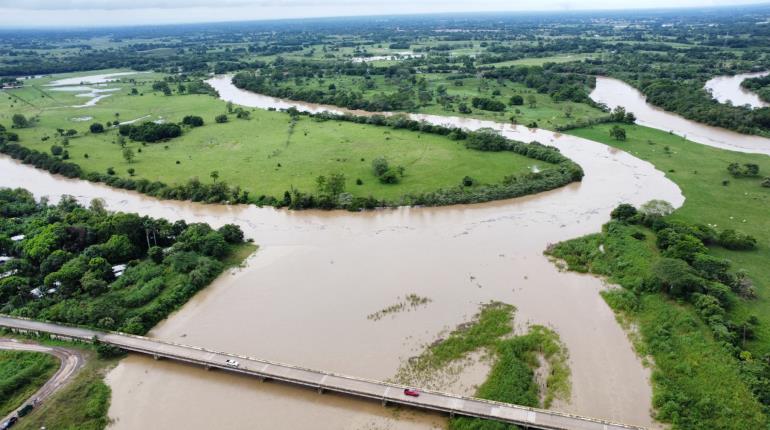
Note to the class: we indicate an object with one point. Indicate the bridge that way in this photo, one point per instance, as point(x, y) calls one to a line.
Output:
point(387, 393)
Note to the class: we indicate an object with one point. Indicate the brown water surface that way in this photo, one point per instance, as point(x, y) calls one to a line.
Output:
point(304, 297)
point(614, 92)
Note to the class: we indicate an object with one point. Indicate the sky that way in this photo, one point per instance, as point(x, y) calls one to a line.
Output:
point(92, 13)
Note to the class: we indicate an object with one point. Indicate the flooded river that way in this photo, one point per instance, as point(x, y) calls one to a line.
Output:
point(728, 89)
point(305, 296)
point(614, 92)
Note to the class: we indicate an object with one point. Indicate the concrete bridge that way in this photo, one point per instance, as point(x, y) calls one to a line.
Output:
point(387, 393)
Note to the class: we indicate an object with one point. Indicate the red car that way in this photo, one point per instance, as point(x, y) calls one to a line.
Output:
point(411, 392)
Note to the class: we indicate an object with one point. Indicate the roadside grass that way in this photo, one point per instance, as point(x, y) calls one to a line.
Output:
point(742, 204)
point(83, 404)
point(260, 154)
point(21, 374)
point(687, 358)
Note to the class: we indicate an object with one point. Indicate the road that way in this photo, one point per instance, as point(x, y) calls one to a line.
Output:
point(71, 361)
point(323, 381)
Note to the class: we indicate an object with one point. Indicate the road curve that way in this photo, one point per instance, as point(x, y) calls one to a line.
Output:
point(71, 361)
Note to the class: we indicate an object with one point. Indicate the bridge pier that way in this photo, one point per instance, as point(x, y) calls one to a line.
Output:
point(384, 403)
point(320, 390)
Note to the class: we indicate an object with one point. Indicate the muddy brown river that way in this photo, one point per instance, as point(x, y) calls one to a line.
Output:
point(304, 297)
point(614, 92)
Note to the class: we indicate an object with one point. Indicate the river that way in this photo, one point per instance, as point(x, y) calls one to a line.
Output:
point(304, 297)
point(728, 89)
point(614, 92)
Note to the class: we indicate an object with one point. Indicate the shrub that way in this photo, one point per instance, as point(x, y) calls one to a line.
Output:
point(192, 121)
point(735, 240)
point(96, 128)
point(623, 212)
point(220, 119)
point(56, 150)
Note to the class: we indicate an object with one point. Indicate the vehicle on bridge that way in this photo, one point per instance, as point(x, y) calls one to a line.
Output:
point(232, 363)
point(411, 392)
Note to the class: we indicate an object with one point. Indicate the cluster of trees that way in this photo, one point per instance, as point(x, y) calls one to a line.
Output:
point(385, 172)
point(151, 132)
point(747, 170)
point(64, 268)
point(760, 85)
point(547, 79)
point(484, 103)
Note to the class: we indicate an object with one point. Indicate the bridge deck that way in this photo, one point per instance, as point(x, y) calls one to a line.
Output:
point(325, 381)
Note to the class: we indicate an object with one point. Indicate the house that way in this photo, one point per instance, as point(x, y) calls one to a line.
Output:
point(18, 238)
point(118, 270)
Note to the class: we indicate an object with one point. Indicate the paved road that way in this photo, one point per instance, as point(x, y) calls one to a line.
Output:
point(326, 381)
point(71, 362)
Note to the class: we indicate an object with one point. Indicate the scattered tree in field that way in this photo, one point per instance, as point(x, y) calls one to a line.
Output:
point(618, 133)
point(214, 175)
point(128, 155)
point(516, 100)
point(619, 114)
point(221, 119)
point(463, 108)
point(56, 150)
point(19, 121)
point(532, 101)
point(192, 121)
point(131, 171)
point(468, 181)
point(748, 170)
point(96, 128)
point(71, 132)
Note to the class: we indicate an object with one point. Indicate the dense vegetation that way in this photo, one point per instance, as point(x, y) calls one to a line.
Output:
point(659, 261)
point(112, 271)
point(21, 374)
point(760, 85)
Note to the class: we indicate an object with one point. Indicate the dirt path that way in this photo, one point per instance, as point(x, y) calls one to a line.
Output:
point(71, 360)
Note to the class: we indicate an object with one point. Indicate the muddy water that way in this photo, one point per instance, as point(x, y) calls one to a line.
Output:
point(614, 92)
point(728, 89)
point(304, 297)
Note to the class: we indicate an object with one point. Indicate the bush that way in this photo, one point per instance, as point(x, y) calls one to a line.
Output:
point(220, 119)
point(96, 128)
point(734, 240)
point(56, 150)
point(675, 277)
point(192, 121)
point(517, 100)
point(623, 212)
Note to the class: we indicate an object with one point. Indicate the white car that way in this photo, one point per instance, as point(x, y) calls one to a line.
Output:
point(232, 363)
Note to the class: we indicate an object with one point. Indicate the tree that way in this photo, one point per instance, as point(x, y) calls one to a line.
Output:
point(380, 166)
point(19, 121)
point(56, 150)
point(517, 100)
point(618, 133)
point(623, 212)
point(568, 111)
point(128, 154)
point(214, 175)
point(656, 208)
point(232, 233)
point(192, 121)
point(96, 128)
point(220, 119)
point(131, 171)
point(532, 101)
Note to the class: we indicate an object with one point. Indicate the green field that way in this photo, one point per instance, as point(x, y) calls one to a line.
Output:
point(546, 112)
point(21, 374)
point(265, 154)
point(741, 205)
point(539, 61)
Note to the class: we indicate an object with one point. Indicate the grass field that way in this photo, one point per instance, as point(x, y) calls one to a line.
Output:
point(264, 154)
point(741, 205)
point(546, 113)
point(21, 374)
point(539, 61)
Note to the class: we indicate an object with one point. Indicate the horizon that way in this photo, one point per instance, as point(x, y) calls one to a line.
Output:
point(157, 13)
